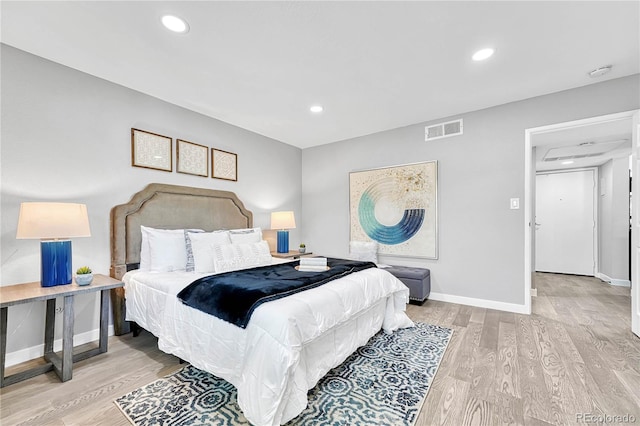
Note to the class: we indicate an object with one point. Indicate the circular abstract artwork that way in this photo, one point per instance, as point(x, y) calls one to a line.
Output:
point(376, 207)
point(397, 208)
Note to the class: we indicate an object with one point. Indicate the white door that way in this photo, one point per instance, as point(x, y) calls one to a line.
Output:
point(635, 228)
point(565, 222)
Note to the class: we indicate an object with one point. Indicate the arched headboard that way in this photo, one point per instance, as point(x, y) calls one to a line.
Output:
point(168, 207)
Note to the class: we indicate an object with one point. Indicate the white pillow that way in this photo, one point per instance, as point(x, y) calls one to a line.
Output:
point(248, 235)
point(145, 249)
point(168, 251)
point(202, 247)
point(366, 251)
point(232, 257)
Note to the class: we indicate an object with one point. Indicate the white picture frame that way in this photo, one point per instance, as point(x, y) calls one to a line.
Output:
point(397, 207)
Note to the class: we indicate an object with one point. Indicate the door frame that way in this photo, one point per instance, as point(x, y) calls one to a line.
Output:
point(635, 235)
point(596, 209)
point(529, 192)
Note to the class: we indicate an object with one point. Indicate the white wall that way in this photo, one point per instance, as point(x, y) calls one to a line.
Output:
point(614, 221)
point(66, 137)
point(481, 241)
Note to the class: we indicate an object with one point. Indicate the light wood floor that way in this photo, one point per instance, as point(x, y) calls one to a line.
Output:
point(575, 354)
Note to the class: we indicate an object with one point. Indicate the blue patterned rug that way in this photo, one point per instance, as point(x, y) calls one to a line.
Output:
point(383, 383)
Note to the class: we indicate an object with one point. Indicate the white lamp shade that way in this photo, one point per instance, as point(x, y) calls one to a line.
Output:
point(283, 220)
point(53, 220)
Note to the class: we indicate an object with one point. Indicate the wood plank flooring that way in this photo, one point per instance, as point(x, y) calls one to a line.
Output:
point(574, 355)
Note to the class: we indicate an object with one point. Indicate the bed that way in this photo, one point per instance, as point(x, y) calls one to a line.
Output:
point(287, 345)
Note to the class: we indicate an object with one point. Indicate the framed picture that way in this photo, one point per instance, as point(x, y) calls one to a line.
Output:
point(192, 158)
point(224, 165)
point(151, 151)
point(397, 208)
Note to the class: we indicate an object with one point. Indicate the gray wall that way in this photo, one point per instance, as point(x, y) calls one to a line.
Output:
point(614, 220)
point(481, 241)
point(66, 137)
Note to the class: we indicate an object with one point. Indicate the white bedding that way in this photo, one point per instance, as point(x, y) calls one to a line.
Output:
point(288, 345)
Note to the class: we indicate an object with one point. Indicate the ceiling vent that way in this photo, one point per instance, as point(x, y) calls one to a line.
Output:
point(443, 130)
point(572, 157)
point(583, 150)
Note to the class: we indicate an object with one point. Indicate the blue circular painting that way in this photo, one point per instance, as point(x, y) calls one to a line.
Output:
point(402, 223)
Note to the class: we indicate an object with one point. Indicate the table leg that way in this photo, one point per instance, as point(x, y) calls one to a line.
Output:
point(49, 326)
point(104, 320)
point(67, 339)
point(3, 342)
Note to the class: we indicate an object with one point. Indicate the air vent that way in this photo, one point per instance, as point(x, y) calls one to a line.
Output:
point(443, 130)
point(572, 157)
point(583, 150)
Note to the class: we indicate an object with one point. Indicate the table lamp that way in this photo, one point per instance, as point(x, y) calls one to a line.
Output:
point(283, 221)
point(53, 224)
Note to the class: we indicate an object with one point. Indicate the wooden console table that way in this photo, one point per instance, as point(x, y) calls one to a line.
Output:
point(32, 292)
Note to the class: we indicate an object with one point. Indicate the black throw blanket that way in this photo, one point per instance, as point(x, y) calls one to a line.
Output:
point(233, 296)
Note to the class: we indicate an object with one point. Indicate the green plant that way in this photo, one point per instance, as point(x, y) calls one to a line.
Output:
point(302, 245)
point(83, 270)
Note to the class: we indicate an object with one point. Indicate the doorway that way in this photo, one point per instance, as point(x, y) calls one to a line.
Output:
point(537, 141)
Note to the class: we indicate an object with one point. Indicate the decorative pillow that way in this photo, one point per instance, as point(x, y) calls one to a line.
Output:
point(364, 250)
point(190, 267)
point(202, 249)
point(168, 251)
point(248, 235)
point(232, 257)
point(145, 249)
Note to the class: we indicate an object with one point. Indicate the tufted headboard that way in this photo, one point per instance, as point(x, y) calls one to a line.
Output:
point(168, 207)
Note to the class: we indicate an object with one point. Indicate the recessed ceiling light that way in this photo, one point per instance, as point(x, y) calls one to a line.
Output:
point(316, 108)
point(175, 24)
point(483, 54)
point(600, 71)
point(567, 162)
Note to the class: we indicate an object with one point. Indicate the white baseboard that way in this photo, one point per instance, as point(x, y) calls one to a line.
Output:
point(613, 281)
point(620, 283)
point(480, 303)
point(534, 292)
point(37, 351)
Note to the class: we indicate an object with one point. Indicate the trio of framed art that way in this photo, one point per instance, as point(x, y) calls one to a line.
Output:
point(153, 151)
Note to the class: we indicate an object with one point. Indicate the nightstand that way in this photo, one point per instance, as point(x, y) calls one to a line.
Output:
point(32, 292)
point(291, 255)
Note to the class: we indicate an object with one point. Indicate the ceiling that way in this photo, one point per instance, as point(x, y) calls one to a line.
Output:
point(373, 66)
point(584, 145)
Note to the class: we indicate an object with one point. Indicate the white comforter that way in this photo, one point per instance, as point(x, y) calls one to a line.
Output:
point(288, 345)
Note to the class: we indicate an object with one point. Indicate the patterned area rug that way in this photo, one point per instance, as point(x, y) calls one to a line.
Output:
point(382, 383)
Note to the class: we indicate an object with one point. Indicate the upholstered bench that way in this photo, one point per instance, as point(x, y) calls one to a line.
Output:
point(417, 279)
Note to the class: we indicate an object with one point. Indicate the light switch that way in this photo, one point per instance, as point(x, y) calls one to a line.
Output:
point(515, 203)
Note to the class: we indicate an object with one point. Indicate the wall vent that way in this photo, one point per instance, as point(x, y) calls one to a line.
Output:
point(443, 130)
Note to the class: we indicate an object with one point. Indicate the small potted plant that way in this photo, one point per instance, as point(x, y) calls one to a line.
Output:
point(303, 248)
point(84, 276)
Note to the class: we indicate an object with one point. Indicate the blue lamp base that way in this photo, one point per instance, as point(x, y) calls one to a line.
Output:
point(56, 263)
point(283, 241)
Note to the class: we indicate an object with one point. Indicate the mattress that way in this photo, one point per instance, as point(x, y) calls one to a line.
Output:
point(288, 345)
